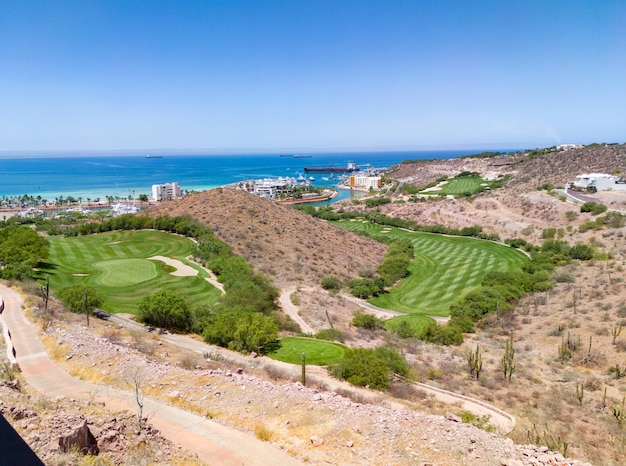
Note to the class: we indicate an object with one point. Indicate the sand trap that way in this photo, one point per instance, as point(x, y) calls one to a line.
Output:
point(182, 270)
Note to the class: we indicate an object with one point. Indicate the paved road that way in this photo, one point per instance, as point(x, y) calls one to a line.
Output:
point(212, 442)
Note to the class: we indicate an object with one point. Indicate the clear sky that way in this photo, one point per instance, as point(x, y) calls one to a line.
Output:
point(295, 75)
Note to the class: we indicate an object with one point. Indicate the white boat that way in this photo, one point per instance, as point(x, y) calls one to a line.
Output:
point(311, 178)
point(120, 208)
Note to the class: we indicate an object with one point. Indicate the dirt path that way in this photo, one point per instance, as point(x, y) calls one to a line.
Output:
point(212, 442)
point(503, 421)
point(292, 311)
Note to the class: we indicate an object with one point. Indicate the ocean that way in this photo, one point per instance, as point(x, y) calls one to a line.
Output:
point(92, 177)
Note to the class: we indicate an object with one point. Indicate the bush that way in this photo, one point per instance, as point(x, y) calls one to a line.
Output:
point(373, 368)
point(166, 309)
point(368, 321)
point(330, 283)
point(441, 334)
point(331, 334)
point(593, 207)
point(361, 367)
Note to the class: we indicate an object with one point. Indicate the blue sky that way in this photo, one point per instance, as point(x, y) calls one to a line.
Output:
point(294, 75)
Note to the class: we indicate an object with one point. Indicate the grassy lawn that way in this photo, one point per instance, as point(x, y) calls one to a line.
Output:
point(317, 352)
point(117, 264)
point(417, 322)
point(459, 186)
point(445, 268)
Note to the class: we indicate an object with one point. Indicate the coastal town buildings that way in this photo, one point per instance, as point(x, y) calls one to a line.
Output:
point(599, 181)
point(166, 191)
point(366, 182)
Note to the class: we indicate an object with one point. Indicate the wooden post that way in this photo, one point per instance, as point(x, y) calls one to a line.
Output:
point(303, 370)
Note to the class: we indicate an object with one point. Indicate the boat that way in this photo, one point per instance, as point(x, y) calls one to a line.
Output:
point(324, 178)
point(297, 156)
point(351, 167)
point(285, 155)
point(311, 178)
point(154, 156)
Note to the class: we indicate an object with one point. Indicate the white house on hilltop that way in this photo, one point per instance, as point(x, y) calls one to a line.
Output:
point(600, 181)
point(166, 192)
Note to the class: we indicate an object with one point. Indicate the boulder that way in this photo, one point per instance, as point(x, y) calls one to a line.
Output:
point(80, 439)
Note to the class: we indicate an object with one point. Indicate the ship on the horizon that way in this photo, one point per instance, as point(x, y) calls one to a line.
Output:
point(154, 156)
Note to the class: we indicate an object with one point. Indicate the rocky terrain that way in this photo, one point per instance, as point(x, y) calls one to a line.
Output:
point(326, 424)
point(312, 423)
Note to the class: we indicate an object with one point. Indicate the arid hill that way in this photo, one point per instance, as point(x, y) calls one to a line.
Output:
point(525, 170)
point(289, 246)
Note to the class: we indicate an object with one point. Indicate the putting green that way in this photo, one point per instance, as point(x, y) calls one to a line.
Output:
point(317, 352)
point(125, 272)
point(119, 264)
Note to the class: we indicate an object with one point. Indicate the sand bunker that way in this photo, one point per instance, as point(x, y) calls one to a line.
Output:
point(182, 270)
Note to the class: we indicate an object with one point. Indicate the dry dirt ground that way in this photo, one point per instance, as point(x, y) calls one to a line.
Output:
point(314, 424)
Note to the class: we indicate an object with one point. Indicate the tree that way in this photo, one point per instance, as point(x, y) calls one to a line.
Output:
point(240, 328)
point(368, 321)
point(362, 367)
point(81, 298)
point(20, 250)
point(166, 309)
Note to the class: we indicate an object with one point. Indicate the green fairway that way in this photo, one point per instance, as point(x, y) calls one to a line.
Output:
point(317, 352)
point(459, 186)
point(117, 264)
point(445, 268)
point(416, 322)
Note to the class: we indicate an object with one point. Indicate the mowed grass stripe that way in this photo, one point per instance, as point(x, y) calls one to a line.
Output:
point(445, 268)
point(116, 263)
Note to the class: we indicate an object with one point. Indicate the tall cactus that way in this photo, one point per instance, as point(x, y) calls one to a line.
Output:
point(616, 331)
point(475, 362)
point(507, 364)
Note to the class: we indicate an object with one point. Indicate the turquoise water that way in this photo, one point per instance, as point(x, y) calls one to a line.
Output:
point(92, 177)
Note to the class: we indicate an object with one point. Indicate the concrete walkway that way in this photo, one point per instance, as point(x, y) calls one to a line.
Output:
point(213, 443)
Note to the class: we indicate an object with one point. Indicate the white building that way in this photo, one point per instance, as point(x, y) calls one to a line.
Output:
point(569, 146)
point(365, 182)
point(166, 192)
point(600, 181)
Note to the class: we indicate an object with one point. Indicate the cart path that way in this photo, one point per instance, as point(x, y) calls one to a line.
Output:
point(212, 442)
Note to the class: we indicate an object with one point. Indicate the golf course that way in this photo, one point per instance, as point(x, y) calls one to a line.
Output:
point(119, 265)
point(445, 268)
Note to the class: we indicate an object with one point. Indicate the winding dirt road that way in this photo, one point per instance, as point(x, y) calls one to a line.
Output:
point(212, 442)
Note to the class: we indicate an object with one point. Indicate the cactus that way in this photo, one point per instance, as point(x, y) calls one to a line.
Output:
point(303, 370)
point(580, 393)
point(616, 331)
point(475, 362)
point(619, 413)
point(508, 367)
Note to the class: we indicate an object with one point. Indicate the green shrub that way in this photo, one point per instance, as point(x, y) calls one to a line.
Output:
point(330, 283)
point(593, 207)
point(331, 334)
point(368, 321)
point(373, 368)
point(166, 309)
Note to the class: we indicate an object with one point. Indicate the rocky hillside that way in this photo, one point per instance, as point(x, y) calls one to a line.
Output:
point(291, 247)
point(525, 170)
point(314, 424)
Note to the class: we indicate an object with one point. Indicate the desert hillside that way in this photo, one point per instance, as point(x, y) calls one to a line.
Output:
point(291, 247)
